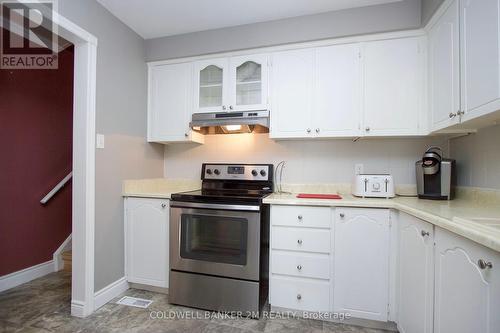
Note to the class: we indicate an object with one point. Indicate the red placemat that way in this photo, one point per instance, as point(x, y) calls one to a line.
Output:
point(318, 196)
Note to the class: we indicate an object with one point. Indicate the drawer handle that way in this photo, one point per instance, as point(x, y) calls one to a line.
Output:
point(163, 205)
point(299, 267)
point(299, 217)
point(424, 233)
point(342, 215)
point(484, 264)
point(299, 241)
point(299, 297)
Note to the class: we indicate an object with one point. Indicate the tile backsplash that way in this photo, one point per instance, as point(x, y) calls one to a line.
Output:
point(307, 161)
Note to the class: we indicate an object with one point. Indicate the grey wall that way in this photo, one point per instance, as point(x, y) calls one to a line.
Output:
point(428, 9)
point(478, 158)
point(380, 18)
point(121, 116)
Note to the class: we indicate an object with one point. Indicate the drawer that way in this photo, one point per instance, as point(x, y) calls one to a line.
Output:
point(301, 216)
point(301, 264)
point(300, 294)
point(301, 239)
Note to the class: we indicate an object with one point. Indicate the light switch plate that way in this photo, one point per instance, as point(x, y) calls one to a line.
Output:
point(99, 142)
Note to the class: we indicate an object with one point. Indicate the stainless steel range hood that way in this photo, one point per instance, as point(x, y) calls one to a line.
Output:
point(231, 122)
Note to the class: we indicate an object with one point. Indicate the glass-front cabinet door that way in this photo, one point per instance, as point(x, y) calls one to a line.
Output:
point(249, 82)
point(210, 85)
point(231, 84)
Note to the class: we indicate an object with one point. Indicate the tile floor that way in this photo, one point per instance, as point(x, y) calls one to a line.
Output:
point(43, 305)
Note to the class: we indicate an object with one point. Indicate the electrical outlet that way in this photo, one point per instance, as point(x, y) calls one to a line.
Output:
point(358, 169)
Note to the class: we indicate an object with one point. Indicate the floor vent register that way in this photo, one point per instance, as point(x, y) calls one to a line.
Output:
point(134, 301)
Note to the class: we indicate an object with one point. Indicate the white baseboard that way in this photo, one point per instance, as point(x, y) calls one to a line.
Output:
point(109, 292)
point(26, 275)
point(77, 309)
point(66, 245)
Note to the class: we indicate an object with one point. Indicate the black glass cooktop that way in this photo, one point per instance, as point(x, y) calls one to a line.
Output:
point(236, 196)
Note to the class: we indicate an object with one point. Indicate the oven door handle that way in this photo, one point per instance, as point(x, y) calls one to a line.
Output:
point(177, 204)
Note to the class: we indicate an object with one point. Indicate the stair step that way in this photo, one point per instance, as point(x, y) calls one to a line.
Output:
point(66, 258)
point(66, 255)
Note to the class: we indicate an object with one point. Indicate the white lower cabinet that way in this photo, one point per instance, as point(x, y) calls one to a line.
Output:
point(444, 283)
point(467, 286)
point(300, 294)
point(301, 239)
point(361, 272)
point(331, 260)
point(416, 275)
point(300, 263)
point(146, 241)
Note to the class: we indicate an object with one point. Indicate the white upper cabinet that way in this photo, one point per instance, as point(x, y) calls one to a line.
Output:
point(248, 83)
point(361, 268)
point(292, 82)
point(337, 95)
point(231, 84)
point(480, 57)
point(322, 92)
point(169, 104)
point(444, 69)
point(211, 85)
point(467, 286)
point(416, 275)
point(394, 87)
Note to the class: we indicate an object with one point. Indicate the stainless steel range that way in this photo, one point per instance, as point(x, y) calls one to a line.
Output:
point(219, 240)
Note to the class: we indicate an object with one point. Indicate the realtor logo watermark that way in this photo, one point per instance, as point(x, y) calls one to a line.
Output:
point(29, 37)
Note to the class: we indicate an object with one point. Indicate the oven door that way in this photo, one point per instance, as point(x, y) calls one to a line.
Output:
point(221, 240)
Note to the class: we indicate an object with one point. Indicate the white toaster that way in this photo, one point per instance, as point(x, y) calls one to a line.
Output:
point(374, 186)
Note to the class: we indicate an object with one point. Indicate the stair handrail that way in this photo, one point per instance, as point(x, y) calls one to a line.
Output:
point(56, 188)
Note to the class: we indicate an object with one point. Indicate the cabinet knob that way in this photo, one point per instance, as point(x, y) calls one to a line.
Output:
point(308, 130)
point(367, 128)
point(317, 130)
point(299, 241)
point(163, 205)
point(424, 233)
point(460, 113)
point(230, 107)
point(452, 115)
point(223, 107)
point(299, 267)
point(342, 215)
point(299, 217)
point(186, 135)
point(484, 264)
point(299, 297)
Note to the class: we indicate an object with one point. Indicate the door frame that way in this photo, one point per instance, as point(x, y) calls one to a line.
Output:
point(84, 132)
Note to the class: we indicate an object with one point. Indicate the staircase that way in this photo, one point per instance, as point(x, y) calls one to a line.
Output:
point(66, 258)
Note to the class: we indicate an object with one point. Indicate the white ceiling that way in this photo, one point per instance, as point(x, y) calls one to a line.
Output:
point(158, 18)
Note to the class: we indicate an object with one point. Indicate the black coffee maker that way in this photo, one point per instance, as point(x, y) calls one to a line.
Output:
point(436, 177)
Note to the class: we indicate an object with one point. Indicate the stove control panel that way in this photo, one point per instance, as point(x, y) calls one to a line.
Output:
point(237, 172)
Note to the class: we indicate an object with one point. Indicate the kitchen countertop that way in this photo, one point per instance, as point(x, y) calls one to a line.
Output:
point(158, 188)
point(454, 215)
